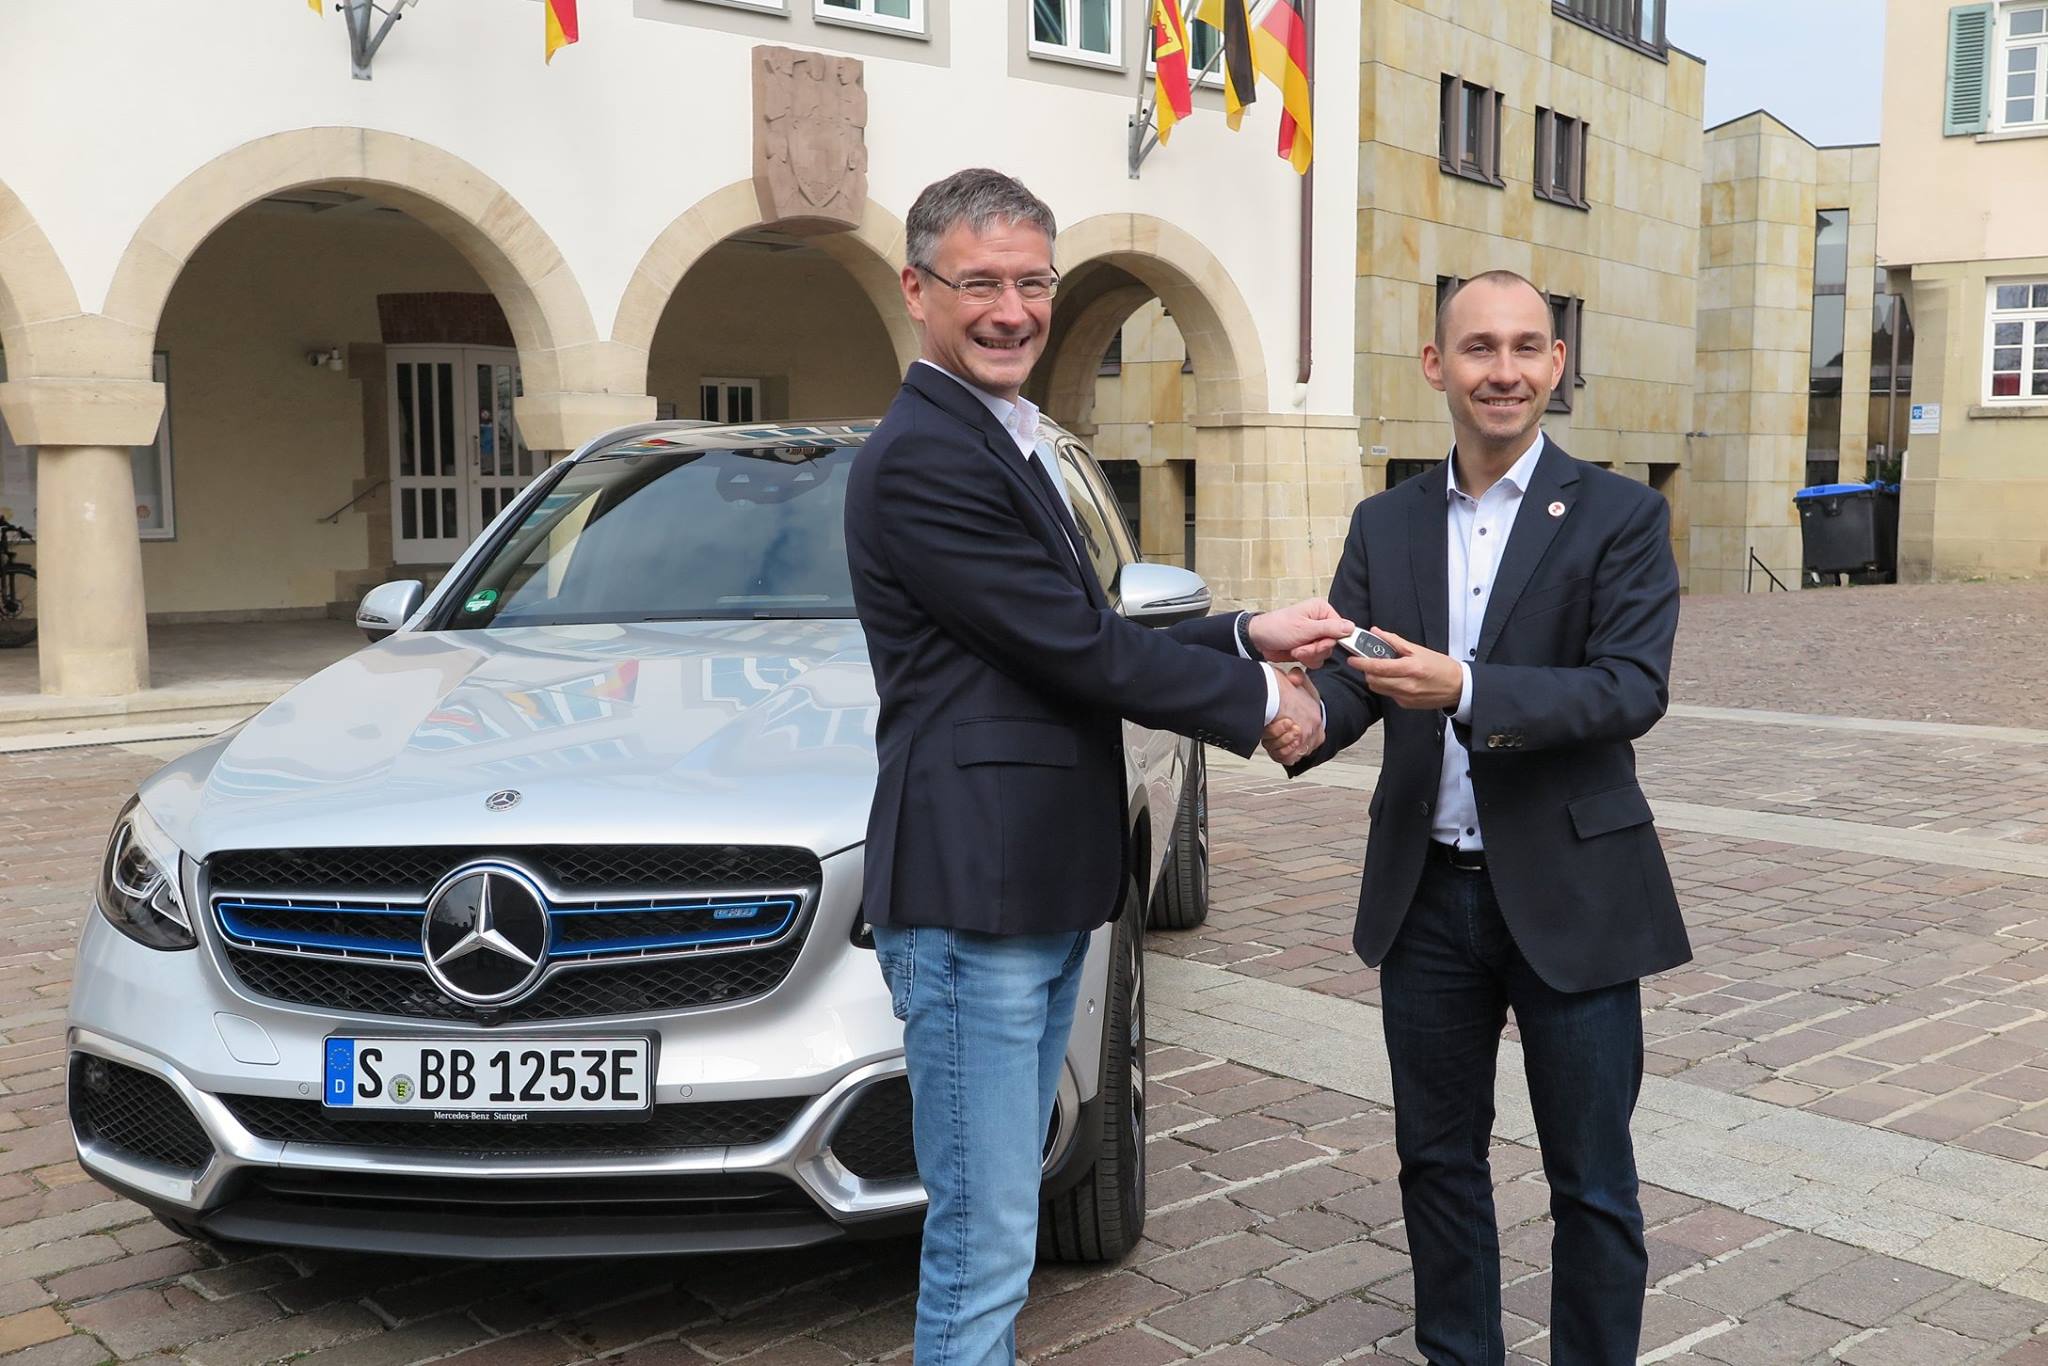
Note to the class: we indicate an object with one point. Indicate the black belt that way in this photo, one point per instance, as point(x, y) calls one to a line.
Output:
point(1469, 860)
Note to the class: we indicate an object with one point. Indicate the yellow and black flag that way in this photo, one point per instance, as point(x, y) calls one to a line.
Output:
point(1280, 51)
point(1231, 19)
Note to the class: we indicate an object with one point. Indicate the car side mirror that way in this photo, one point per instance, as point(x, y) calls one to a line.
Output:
point(1161, 594)
point(386, 607)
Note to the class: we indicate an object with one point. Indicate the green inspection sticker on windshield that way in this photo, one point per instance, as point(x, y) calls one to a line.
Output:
point(479, 600)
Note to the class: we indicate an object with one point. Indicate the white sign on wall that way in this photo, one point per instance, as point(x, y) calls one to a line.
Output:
point(1926, 419)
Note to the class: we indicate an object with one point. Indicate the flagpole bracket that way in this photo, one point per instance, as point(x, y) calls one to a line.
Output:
point(1142, 139)
point(362, 41)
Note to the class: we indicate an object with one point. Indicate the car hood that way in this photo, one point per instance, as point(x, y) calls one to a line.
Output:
point(756, 732)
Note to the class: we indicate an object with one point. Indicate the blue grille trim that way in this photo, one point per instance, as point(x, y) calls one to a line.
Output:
point(785, 909)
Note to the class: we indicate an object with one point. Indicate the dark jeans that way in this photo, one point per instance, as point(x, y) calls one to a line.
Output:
point(1447, 985)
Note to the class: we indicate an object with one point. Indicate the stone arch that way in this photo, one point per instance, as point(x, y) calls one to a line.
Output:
point(1223, 340)
point(1106, 299)
point(559, 348)
point(35, 289)
point(871, 252)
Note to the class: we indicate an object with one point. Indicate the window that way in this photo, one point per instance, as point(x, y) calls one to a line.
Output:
point(1829, 336)
point(1891, 377)
point(1113, 355)
point(2022, 82)
point(902, 16)
point(1639, 23)
point(729, 400)
point(2019, 341)
point(1560, 159)
point(1469, 134)
point(1203, 45)
point(1078, 30)
point(1566, 314)
point(1098, 544)
point(154, 517)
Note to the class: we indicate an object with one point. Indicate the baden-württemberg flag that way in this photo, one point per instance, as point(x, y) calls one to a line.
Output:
point(1170, 66)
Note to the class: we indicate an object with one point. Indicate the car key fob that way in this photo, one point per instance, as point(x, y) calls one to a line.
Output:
point(1366, 645)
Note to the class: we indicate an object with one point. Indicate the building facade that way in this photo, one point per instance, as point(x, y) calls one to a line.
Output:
point(1562, 141)
point(1800, 378)
point(1962, 199)
point(314, 331)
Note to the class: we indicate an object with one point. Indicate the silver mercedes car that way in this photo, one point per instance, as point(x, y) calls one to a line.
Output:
point(534, 929)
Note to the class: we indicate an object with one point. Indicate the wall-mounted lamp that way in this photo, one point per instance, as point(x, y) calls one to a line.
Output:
point(331, 358)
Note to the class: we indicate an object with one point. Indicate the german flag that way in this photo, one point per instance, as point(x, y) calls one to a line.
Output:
point(1173, 102)
point(561, 25)
point(1230, 18)
point(1280, 52)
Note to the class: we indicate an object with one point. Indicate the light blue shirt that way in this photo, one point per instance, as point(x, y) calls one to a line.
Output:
point(1478, 541)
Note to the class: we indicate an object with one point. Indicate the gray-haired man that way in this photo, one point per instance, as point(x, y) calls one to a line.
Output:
point(996, 843)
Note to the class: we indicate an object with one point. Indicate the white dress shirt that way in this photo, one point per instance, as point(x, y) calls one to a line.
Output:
point(1019, 417)
point(1478, 541)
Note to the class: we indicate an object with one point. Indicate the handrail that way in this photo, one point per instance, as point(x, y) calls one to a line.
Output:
point(336, 514)
point(1777, 584)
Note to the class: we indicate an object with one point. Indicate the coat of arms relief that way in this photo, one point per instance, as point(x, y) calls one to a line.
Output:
point(810, 147)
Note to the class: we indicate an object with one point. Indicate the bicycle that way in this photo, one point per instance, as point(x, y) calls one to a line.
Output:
point(13, 632)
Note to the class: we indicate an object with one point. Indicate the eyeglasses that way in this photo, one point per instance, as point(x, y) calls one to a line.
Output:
point(1034, 289)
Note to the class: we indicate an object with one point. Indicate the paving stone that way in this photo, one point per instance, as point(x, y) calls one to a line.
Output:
point(1339, 1270)
point(1333, 1332)
point(1912, 1344)
point(1756, 1276)
point(1870, 1290)
point(1226, 1315)
point(1776, 1333)
point(1215, 1263)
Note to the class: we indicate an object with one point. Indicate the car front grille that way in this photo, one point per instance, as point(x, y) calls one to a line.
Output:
point(631, 988)
point(136, 1113)
point(667, 1128)
point(632, 929)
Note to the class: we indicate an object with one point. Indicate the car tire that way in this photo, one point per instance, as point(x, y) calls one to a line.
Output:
point(1100, 1218)
point(1183, 900)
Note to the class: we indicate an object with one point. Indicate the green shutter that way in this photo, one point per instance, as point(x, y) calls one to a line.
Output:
point(1967, 108)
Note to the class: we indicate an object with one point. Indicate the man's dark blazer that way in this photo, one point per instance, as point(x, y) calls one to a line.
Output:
point(1572, 661)
point(1004, 674)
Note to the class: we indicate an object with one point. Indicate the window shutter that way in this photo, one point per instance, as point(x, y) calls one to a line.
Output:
point(1967, 108)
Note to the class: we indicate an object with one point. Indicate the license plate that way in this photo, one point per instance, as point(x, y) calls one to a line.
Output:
point(488, 1079)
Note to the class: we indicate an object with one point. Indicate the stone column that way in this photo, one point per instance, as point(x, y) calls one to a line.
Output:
point(91, 627)
point(1273, 498)
point(1162, 500)
point(92, 639)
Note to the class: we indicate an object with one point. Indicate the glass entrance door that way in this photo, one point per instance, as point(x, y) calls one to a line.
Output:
point(456, 456)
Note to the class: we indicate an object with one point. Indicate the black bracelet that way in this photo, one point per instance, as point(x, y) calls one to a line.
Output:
point(1244, 635)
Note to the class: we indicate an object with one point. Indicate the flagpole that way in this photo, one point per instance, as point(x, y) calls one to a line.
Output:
point(1141, 121)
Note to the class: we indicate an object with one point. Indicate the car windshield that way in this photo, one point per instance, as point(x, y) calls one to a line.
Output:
point(648, 532)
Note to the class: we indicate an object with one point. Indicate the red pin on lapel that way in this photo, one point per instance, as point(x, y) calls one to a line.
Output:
point(1557, 509)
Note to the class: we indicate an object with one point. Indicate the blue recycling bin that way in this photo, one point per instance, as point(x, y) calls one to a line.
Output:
point(1838, 528)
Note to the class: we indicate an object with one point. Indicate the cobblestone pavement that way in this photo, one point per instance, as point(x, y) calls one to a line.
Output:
point(1919, 652)
point(1853, 1003)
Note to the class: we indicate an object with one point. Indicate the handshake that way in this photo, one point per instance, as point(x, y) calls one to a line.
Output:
point(1304, 635)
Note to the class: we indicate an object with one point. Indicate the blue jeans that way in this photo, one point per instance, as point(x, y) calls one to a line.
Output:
point(1446, 986)
point(985, 1025)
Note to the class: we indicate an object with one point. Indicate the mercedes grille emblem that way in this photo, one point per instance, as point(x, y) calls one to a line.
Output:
point(486, 933)
point(502, 801)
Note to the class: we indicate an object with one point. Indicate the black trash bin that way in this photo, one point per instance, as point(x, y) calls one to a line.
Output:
point(1838, 528)
point(1885, 526)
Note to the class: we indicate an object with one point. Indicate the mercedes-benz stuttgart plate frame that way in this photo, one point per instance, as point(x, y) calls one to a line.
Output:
point(533, 929)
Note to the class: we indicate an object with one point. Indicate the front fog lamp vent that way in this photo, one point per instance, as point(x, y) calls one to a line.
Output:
point(136, 1114)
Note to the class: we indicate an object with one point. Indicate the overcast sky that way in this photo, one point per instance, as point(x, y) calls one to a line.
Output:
point(1816, 64)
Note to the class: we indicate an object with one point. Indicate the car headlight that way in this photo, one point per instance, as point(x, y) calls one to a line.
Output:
point(138, 889)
